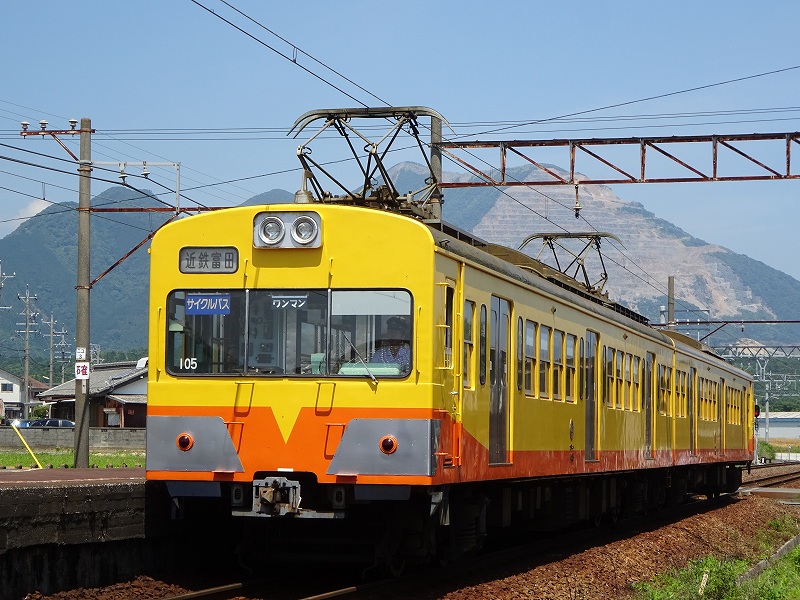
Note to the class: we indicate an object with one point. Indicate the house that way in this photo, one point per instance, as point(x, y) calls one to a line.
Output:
point(781, 425)
point(11, 402)
point(117, 395)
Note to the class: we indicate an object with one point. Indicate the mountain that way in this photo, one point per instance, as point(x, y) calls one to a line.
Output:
point(43, 254)
point(711, 282)
point(271, 197)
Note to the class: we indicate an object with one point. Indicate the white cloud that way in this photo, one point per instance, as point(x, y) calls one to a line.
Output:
point(16, 219)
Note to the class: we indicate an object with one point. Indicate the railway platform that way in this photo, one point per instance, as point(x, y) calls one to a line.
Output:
point(791, 495)
point(55, 523)
point(69, 506)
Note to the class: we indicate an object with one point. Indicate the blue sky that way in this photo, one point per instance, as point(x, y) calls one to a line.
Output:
point(140, 68)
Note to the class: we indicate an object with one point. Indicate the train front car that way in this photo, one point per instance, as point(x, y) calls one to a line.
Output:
point(295, 377)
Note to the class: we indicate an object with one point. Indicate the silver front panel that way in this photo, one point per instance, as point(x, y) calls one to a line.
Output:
point(359, 451)
point(213, 448)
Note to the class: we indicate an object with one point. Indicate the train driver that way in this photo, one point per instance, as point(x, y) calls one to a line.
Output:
point(395, 348)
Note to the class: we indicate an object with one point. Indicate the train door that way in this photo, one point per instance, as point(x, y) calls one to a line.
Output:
point(589, 369)
point(690, 409)
point(722, 400)
point(648, 405)
point(449, 370)
point(499, 339)
point(452, 371)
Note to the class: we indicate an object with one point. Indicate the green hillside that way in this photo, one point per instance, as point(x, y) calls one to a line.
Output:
point(42, 253)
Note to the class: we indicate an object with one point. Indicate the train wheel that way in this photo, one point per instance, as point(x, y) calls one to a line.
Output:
point(396, 565)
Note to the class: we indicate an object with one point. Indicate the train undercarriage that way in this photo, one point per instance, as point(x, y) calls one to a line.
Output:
point(389, 528)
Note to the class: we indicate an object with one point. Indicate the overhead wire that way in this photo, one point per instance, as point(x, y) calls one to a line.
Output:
point(69, 209)
point(503, 128)
point(105, 168)
point(555, 119)
point(276, 51)
point(96, 145)
point(525, 123)
point(649, 98)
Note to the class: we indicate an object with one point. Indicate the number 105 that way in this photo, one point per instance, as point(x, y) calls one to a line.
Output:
point(189, 363)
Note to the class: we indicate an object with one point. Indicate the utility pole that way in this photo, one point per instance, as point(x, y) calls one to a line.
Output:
point(51, 323)
point(62, 355)
point(3, 278)
point(82, 369)
point(83, 288)
point(30, 318)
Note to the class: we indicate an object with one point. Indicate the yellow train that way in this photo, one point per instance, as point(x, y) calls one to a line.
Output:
point(335, 370)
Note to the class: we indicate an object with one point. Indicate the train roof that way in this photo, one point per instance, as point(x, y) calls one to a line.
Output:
point(531, 265)
point(528, 270)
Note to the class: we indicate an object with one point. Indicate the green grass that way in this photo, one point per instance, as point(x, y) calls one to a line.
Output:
point(716, 579)
point(59, 458)
point(780, 582)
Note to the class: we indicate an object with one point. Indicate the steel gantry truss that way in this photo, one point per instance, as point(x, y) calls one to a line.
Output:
point(497, 174)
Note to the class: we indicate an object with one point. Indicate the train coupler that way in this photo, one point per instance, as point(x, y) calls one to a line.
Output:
point(276, 496)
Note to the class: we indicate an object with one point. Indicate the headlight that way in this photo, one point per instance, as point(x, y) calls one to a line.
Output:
point(271, 231)
point(304, 230)
point(287, 229)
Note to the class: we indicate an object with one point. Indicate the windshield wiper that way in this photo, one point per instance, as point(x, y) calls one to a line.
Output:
point(359, 358)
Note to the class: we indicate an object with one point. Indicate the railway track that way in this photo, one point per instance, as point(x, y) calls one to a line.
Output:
point(546, 549)
point(597, 564)
point(266, 590)
point(774, 475)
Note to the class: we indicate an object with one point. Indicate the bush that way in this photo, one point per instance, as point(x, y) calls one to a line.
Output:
point(766, 450)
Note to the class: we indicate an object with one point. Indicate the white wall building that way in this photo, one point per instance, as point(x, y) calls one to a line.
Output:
point(782, 425)
point(10, 395)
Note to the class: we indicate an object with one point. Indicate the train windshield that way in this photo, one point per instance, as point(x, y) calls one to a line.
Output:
point(289, 332)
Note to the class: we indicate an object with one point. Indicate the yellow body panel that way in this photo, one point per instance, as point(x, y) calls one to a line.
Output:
point(301, 419)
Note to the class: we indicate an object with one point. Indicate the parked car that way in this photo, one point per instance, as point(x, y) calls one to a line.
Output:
point(22, 422)
point(52, 423)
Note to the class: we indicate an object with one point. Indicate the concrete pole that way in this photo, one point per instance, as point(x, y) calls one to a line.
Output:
point(436, 164)
point(52, 327)
point(671, 301)
point(26, 394)
point(82, 318)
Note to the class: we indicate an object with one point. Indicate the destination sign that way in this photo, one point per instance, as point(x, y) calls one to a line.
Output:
point(209, 259)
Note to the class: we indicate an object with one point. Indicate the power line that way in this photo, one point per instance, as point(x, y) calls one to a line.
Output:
point(278, 52)
point(649, 98)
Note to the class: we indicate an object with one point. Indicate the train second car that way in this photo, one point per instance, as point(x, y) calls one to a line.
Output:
point(340, 372)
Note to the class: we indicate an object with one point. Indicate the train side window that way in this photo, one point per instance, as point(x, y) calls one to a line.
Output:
point(544, 361)
point(637, 387)
point(662, 392)
point(627, 385)
point(482, 349)
point(727, 399)
point(714, 400)
point(570, 385)
point(620, 391)
point(558, 362)
point(581, 370)
point(469, 342)
point(530, 357)
point(520, 352)
point(668, 387)
point(742, 399)
point(701, 398)
point(610, 387)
